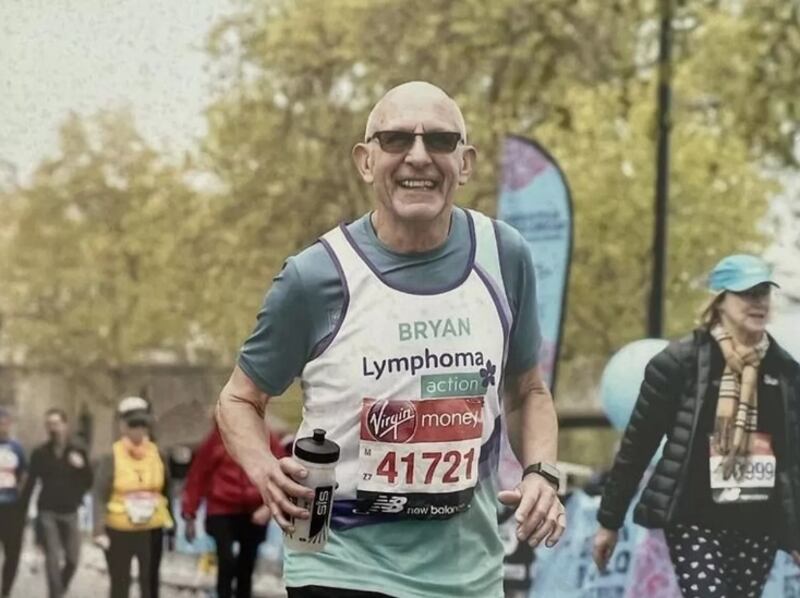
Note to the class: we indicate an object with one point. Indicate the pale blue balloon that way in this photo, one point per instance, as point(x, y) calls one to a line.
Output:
point(622, 378)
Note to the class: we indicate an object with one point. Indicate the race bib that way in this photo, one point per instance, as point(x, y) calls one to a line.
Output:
point(9, 462)
point(140, 506)
point(76, 460)
point(419, 458)
point(7, 480)
point(754, 473)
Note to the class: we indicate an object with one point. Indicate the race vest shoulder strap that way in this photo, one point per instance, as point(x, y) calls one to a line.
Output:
point(487, 254)
point(487, 263)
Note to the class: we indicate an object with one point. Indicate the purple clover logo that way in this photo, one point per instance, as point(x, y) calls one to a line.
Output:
point(487, 374)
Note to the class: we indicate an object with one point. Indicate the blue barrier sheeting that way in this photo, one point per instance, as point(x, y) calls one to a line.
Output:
point(640, 565)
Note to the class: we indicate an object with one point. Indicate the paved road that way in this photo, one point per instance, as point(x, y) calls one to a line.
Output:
point(180, 574)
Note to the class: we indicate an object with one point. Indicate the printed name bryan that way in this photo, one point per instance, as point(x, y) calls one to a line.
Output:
point(433, 328)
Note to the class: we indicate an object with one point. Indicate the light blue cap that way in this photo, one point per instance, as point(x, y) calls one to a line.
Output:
point(738, 273)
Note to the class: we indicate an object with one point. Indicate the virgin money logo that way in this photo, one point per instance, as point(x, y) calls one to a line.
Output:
point(392, 421)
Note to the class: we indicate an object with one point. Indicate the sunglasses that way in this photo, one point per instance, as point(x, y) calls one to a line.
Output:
point(757, 292)
point(399, 142)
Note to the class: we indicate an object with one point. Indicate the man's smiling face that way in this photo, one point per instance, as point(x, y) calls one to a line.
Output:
point(417, 184)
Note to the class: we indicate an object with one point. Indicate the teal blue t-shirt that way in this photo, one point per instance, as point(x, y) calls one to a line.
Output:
point(460, 557)
point(304, 303)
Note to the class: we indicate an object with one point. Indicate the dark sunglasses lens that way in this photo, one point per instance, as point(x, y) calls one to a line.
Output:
point(395, 142)
point(441, 142)
point(756, 292)
point(437, 142)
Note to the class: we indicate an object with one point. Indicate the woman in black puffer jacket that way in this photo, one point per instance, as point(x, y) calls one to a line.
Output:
point(727, 489)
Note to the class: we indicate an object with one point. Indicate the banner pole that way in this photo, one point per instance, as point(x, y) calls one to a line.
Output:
point(655, 313)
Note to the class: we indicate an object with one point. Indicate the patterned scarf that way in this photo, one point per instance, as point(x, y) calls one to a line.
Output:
point(738, 393)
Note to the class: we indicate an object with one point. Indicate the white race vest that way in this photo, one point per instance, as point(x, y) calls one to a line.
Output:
point(408, 386)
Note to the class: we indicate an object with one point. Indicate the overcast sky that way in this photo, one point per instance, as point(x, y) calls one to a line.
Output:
point(58, 56)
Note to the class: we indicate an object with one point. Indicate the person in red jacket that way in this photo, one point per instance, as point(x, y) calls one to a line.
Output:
point(235, 512)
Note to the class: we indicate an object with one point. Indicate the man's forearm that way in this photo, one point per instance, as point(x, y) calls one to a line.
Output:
point(532, 422)
point(241, 424)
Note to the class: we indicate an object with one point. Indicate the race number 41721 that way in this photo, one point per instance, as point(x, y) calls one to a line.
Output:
point(427, 468)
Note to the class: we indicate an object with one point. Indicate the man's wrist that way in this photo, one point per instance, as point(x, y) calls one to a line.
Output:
point(546, 470)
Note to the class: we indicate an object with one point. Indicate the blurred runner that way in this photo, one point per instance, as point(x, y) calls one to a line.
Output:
point(13, 468)
point(132, 502)
point(235, 512)
point(62, 467)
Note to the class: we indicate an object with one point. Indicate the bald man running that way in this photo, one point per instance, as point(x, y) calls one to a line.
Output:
point(402, 326)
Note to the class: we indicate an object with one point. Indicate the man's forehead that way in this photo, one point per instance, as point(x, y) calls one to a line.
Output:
point(412, 105)
point(441, 112)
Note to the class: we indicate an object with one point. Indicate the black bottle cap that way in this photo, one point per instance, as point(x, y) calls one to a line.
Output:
point(317, 448)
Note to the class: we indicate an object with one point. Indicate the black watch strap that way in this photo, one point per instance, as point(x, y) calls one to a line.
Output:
point(548, 472)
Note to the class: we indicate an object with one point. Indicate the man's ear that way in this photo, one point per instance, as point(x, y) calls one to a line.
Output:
point(362, 158)
point(469, 156)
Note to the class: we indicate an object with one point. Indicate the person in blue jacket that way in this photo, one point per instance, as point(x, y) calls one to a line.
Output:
point(13, 468)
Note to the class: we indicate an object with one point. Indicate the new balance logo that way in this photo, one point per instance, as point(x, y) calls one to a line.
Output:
point(388, 504)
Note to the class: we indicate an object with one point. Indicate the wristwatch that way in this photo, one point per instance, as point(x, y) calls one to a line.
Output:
point(547, 471)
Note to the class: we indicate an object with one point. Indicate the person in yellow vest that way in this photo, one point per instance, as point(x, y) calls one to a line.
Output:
point(131, 502)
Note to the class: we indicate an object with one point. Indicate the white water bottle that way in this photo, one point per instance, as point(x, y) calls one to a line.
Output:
point(318, 456)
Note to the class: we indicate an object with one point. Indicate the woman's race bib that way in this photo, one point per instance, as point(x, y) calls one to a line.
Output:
point(140, 506)
point(754, 473)
point(7, 480)
point(9, 463)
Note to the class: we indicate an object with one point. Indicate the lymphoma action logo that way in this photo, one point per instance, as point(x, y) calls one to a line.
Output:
point(459, 384)
point(392, 421)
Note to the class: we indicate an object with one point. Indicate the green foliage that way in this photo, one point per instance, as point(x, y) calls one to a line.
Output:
point(93, 266)
point(110, 253)
point(741, 60)
point(716, 199)
point(579, 77)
